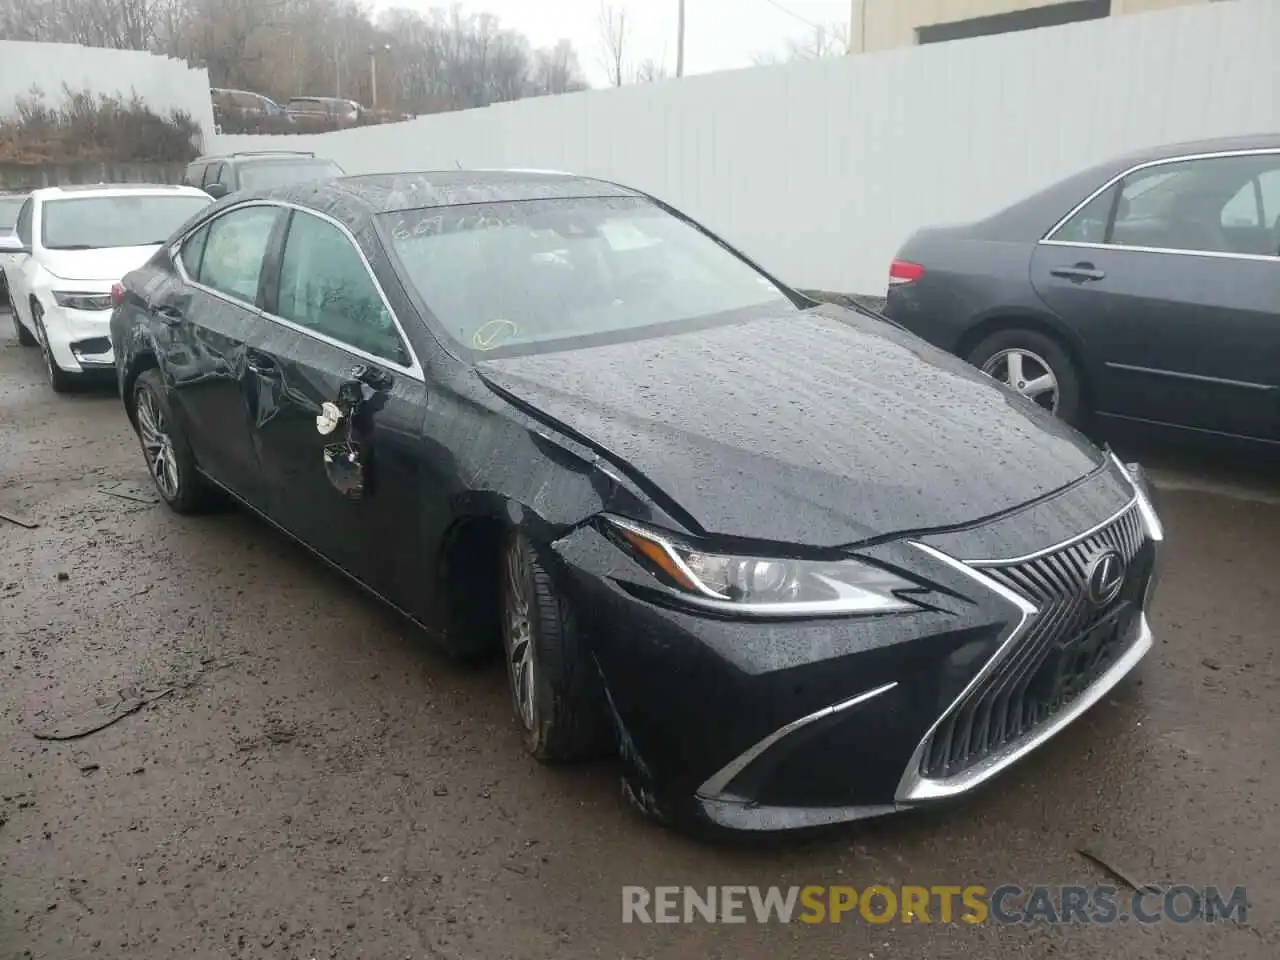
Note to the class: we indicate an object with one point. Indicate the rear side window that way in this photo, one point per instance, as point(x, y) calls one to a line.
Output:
point(211, 173)
point(1089, 225)
point(1206, 205)
point(193, 252)
point(326, 287)
point(234, 251)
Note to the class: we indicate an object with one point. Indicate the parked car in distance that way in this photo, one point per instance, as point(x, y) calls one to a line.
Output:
point(243, 111)
point(10, 245)
point(256, 170)
point(797, 565)
point(1144, 289)
point(331, 111)
point(77, 243)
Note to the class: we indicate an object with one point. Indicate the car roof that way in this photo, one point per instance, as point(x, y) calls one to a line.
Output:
point(1030, 218)
point(115, 190)
point(390, 192)
point(259, 156)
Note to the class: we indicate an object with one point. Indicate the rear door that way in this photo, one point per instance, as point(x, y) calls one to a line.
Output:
point(1175, 293)
point(204, 323)
point(334, 337)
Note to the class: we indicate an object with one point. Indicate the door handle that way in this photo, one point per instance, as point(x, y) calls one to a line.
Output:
point(1080, 273)
point(261, 364)
point(166, 315)
point(375, 378)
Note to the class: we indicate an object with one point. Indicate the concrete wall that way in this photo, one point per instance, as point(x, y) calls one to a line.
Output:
point(22, 176)
point(164, 83)
point(821, 169)
point(893, 23)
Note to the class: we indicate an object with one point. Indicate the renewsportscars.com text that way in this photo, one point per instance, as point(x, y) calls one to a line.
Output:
point(973, 904)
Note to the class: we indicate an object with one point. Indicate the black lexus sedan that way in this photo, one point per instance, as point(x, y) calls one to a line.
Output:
point(792, 563)
point(1145, 289)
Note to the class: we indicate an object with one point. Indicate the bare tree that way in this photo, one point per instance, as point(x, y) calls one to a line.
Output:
point(823, 40)
point(651, 71)
point(613, 40)
point(556, 70)
point(440, 59)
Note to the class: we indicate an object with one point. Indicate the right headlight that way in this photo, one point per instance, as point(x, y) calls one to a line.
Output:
point(766, 586)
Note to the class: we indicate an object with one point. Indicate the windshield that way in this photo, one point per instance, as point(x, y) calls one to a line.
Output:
point(510, 278)
point(259, 176)
point(127, 220)
point(9, 207)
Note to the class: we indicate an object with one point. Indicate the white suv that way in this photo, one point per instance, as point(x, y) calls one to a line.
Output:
point(77, 243)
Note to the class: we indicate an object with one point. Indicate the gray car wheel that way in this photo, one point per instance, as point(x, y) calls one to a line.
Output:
point(554, 687)
point(1034, 365)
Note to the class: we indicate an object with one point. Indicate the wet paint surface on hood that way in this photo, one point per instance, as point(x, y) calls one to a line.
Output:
point(819, 428)
point(109, 263)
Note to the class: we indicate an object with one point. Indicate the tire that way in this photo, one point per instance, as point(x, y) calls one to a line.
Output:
point(24, 335)
point(178, 482)
point(59, 379)
point(1039, 348)
point(554, 688)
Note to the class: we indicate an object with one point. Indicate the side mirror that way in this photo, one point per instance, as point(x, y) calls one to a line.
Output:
point(343, 466)
point(216, 190)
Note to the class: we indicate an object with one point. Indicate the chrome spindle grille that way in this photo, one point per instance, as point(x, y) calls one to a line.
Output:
point(1045, 669)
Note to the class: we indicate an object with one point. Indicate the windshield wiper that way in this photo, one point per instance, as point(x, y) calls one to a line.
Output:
point(71, 246)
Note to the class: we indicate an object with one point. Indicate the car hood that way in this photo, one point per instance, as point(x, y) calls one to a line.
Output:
point(820, 428)
point(111, 263)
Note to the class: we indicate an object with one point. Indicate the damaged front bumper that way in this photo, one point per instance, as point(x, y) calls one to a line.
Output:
point(774, 725)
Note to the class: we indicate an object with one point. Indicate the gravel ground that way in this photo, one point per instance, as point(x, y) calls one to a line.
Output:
point(299, 776)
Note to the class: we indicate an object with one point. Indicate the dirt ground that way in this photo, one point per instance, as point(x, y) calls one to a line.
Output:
point(301, 777)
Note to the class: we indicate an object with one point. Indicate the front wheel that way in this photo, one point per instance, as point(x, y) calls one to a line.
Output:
point(554, 687)
point(59, 379)
point(24, 335)
point(165, 448)
point(1034, 365)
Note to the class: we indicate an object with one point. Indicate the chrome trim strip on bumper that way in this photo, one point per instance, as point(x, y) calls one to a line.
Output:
point(713, 789)
point(914, 787)
point(1011, 561)
point(743, 816)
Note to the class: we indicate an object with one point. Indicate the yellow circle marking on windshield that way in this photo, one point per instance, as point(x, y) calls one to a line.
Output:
point(488, 336)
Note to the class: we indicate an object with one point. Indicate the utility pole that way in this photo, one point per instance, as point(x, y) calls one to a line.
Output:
point(373, 69)
point(857, 26)
point(680, 43)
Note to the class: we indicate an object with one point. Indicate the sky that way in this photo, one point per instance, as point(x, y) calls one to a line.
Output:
point(719, 34)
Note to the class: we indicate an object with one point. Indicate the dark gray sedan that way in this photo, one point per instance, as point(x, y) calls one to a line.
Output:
point(1144, 289)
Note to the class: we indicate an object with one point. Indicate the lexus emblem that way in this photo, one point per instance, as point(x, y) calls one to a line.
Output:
point(1105, 577)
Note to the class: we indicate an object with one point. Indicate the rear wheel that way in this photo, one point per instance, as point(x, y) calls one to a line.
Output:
point(1034, 365)
point(554, 687)
point(165, 448)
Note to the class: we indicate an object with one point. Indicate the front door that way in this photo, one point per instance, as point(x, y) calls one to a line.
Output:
point(1177, 298)
point(203, 322)
point(340, 404)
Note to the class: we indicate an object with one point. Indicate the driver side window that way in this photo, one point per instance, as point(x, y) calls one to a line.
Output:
point(23, 226)
point(326, 287)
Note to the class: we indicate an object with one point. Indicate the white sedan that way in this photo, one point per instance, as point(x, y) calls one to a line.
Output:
point(76, 244)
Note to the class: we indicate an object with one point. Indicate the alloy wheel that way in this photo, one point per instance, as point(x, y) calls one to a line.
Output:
point(1026, 372)
point(517, 627)
point(157, 446)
